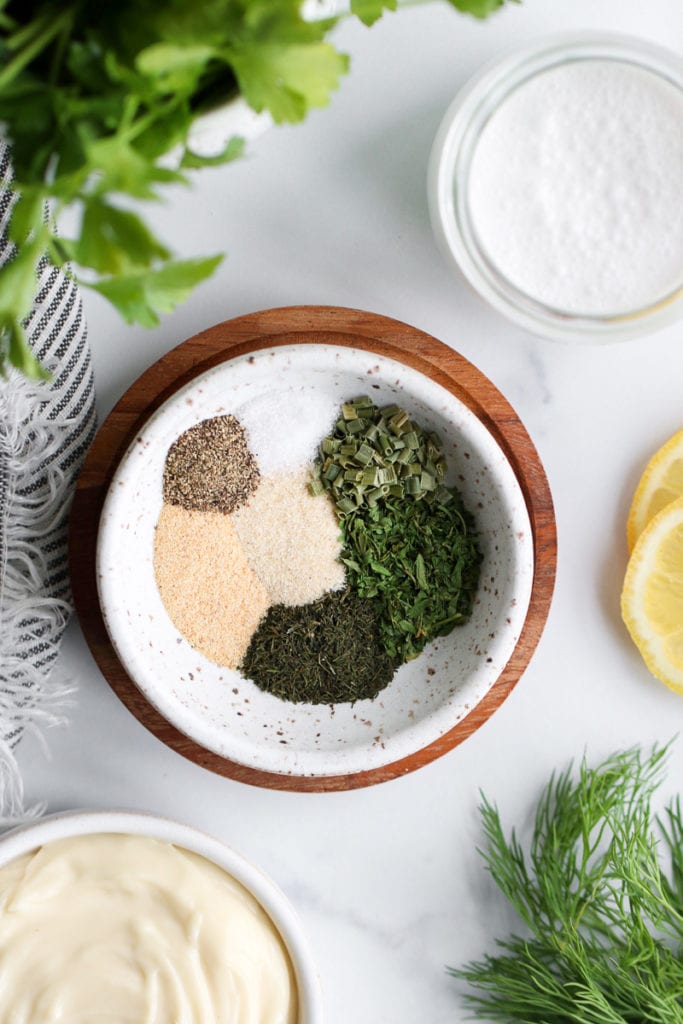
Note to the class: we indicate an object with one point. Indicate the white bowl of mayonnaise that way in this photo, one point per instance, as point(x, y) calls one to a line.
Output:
point(127, 918)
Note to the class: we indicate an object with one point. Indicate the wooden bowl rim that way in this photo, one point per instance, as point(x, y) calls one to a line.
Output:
point(300, 325)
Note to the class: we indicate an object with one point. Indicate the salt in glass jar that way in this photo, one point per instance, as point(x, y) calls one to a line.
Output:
point(554, 186)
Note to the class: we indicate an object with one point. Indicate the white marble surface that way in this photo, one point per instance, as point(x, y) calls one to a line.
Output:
point(386, 879)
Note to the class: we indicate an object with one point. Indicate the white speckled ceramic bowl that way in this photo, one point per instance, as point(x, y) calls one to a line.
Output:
point(63, 826)
point(224, 712)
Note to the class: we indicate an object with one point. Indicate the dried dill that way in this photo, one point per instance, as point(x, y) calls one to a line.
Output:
point(326, 652)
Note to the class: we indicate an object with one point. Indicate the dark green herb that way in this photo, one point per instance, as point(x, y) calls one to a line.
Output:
point(95, 95)
point(602, 908)
point(419, 563)
point(410, 545)
point(326, 652)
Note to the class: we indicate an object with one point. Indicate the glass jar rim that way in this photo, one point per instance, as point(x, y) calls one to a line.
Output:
point(448, 180)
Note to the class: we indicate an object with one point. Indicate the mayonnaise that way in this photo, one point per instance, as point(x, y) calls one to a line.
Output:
point(123, 929)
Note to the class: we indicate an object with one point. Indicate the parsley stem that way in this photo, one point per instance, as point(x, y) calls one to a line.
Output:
point(53, 26)
point(136, 128)
point(61, 45)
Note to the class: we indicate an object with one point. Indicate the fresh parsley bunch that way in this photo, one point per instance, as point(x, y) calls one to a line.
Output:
point(94, 94)
point(599, 889)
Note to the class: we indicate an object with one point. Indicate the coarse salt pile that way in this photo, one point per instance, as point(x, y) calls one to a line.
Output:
point(284, 427)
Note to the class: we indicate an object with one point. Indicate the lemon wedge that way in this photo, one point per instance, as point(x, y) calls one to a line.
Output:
point(660, 484)
point(652, 597)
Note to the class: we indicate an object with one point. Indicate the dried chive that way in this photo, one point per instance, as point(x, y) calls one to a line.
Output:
point(326, 652)
point(316, 487)
point(389, 446)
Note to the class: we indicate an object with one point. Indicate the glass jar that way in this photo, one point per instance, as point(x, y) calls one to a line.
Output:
point(449, 185)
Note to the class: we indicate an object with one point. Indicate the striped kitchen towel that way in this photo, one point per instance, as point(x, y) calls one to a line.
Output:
point(45, 430)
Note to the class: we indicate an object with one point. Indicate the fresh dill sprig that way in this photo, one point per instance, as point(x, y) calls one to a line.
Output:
point(599, 887)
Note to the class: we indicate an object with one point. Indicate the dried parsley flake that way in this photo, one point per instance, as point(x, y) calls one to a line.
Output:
point(409, 545)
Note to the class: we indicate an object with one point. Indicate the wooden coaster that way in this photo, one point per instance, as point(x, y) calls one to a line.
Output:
point(303, 325)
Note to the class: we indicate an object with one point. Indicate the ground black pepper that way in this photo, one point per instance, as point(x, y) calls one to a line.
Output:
point(326, 652)
point(210, 468)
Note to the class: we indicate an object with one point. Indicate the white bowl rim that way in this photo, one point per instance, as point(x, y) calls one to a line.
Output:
point(66, 824)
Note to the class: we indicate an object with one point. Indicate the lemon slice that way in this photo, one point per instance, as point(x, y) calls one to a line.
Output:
point(652, 598)
point(660, 484)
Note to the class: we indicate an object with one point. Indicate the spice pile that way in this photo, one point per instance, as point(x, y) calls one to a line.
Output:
point(210, 468)
point(410, 546)
point(316, 582)
point(230, 543)
point(328, 651)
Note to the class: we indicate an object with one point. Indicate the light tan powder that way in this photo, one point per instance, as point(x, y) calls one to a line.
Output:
point(209, 589)
point(291, 539)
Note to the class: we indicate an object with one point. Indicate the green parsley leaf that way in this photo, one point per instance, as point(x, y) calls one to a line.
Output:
point(479, 8)
point(27, 214)
point(232, 151)
point(18, 350)
point(18, 281)
point(121, 168)
point(174, 68)
point(114, 241)
point(140, 298)
point(92, 96)
point(17, 289)
point(369, 11)
point(288, 80)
